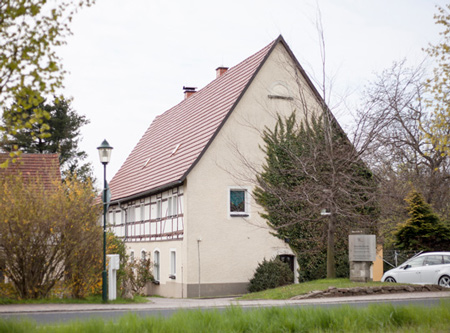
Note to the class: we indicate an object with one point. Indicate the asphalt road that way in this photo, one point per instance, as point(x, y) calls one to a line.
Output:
point(114, 314)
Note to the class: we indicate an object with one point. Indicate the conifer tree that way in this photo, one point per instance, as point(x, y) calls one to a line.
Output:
point(423, 230)
point(310, 167)
point(62, 135)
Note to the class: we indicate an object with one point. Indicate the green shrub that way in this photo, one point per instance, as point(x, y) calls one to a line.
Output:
point(271, 274)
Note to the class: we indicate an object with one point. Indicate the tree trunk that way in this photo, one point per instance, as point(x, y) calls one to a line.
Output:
point(331, 265)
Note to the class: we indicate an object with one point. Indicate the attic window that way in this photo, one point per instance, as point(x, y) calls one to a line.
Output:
point(280, 90)
point(146, 162)
point(175, 150)
point(280, 97)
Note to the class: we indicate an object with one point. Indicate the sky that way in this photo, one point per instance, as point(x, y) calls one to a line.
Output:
point(127, 61)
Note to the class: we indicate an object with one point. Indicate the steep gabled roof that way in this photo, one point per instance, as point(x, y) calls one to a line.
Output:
point(175, 140)
point(30, 166)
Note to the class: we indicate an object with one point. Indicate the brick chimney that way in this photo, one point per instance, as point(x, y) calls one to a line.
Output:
point(220, 71)
point(189, 91)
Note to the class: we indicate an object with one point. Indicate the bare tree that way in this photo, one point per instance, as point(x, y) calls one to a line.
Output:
point(49, 234)
point(391, 134)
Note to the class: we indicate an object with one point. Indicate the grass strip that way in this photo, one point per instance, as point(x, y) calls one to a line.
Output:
point(374, 318)
point(292, 290)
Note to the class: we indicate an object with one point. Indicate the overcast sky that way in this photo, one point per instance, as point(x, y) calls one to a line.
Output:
point(128, 60)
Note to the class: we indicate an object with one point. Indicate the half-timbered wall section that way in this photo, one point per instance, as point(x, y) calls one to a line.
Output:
point(155, 218)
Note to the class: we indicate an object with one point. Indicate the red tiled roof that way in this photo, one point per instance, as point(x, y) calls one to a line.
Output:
point(45, 166)
point(190, 126)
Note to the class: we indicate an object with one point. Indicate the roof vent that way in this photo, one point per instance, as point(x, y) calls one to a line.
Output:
point(146, 162)
point(189, 91)
point(220, 71)
point(175, 150)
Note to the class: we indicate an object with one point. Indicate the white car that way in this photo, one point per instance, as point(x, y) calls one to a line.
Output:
point(426, 268)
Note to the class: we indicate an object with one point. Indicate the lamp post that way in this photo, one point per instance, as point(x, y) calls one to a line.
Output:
point(104, 152)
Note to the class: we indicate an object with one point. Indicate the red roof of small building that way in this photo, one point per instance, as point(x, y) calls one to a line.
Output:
point(44, 166)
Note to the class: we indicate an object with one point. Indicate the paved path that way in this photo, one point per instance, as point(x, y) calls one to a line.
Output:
point(174, 303)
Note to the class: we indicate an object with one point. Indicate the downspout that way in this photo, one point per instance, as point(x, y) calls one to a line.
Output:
point(199, 239)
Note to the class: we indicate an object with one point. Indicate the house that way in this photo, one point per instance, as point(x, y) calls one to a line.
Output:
point(184, 194)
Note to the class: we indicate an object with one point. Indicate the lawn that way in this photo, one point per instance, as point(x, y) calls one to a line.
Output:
point(292, 290)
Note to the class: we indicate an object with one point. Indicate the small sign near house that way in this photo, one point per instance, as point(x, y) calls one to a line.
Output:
point(362, 247)
point(362, 254)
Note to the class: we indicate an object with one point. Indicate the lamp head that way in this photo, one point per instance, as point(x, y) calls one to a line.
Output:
point(104, 152)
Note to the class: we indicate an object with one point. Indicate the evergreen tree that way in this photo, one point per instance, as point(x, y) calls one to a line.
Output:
point(423, 230)
point(303, 175)
point(61, 135)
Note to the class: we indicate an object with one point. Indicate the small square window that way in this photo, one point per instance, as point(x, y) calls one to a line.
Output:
point(238, 202)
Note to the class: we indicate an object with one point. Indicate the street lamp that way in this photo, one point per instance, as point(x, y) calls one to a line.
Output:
point(104, 152)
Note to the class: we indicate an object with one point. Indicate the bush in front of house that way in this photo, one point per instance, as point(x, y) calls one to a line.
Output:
point(271, 274)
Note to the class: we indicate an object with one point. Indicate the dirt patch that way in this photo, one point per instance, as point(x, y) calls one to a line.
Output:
point(358, 291)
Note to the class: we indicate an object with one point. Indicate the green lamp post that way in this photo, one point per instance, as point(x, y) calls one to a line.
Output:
point(104, 152)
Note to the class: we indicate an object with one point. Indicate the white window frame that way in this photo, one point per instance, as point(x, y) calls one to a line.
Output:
point(157, 264)
point(158, 209)
point(130, 214)
point(142, 209)
point(132, 258)
point(172, 205)
point(246, 212)
point(173, 263)
point(137, 213)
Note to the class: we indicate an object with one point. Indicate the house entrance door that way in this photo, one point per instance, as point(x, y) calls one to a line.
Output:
point(288, 259)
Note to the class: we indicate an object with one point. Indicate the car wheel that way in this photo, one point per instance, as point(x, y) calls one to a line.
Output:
point(444, 281)
point(390, 279)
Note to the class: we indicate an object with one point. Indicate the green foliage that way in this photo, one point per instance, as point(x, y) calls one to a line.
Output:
point(271, 274)
point(61, 135)
point(439, 85)
point(423, 230)
point(373, 318)
point(308, 169)
point(30, 33)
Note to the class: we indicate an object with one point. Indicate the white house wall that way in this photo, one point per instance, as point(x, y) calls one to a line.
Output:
point(223, 251)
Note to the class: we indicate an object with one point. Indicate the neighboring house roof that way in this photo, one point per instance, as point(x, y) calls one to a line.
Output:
point(176, 140)
point(44, 166)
